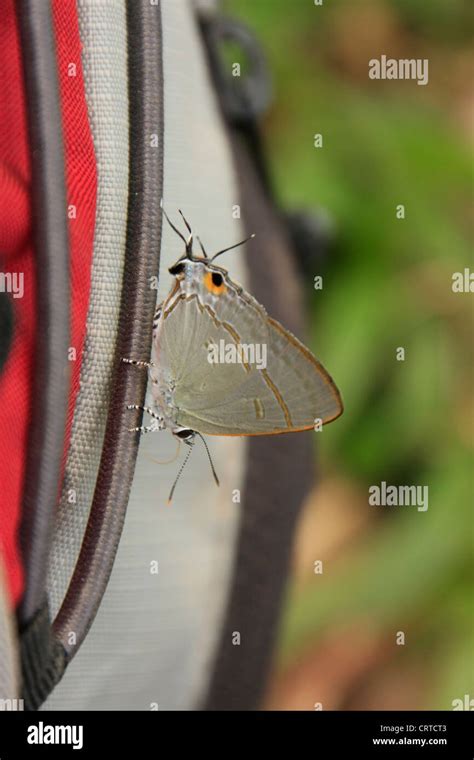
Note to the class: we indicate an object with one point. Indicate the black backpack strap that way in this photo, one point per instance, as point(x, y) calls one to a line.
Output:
point(278, 468)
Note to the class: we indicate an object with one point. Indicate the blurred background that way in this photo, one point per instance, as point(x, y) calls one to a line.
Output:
point(386, 571)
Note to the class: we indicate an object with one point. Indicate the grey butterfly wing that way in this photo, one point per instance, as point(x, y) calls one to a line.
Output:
point(286, 395)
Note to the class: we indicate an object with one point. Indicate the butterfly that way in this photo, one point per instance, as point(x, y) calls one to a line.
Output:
point(220, 365)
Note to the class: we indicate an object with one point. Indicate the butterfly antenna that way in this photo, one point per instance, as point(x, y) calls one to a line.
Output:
point(224, 250)
point(170, 497)
point(172, 225)
point(186, 222)
point(202, 247)
point(209, 457)
point(189, 244)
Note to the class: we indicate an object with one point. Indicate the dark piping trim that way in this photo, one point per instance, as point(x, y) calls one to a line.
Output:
point(50, 234)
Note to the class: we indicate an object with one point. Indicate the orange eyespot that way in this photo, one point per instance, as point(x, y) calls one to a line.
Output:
point(214, 282)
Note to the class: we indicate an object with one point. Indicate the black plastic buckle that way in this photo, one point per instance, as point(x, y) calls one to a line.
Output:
point(245, 97)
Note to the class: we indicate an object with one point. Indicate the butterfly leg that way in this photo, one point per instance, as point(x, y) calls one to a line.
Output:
point(156, 425)
point(145, 429)
point(157, 315)
point(136, 363)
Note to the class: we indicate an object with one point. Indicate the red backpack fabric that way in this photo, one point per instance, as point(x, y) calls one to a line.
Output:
point(17, 253)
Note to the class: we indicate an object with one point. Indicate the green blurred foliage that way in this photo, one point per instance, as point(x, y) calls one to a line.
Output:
point(387, 284)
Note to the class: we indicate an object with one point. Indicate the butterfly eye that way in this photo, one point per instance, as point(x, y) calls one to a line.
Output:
point(214, 282)
point(176, 268)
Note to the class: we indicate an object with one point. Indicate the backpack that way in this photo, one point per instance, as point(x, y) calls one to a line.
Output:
point(109, 599)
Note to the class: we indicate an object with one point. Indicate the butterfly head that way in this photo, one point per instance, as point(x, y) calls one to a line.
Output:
point(214, 276)
point(200, 270)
